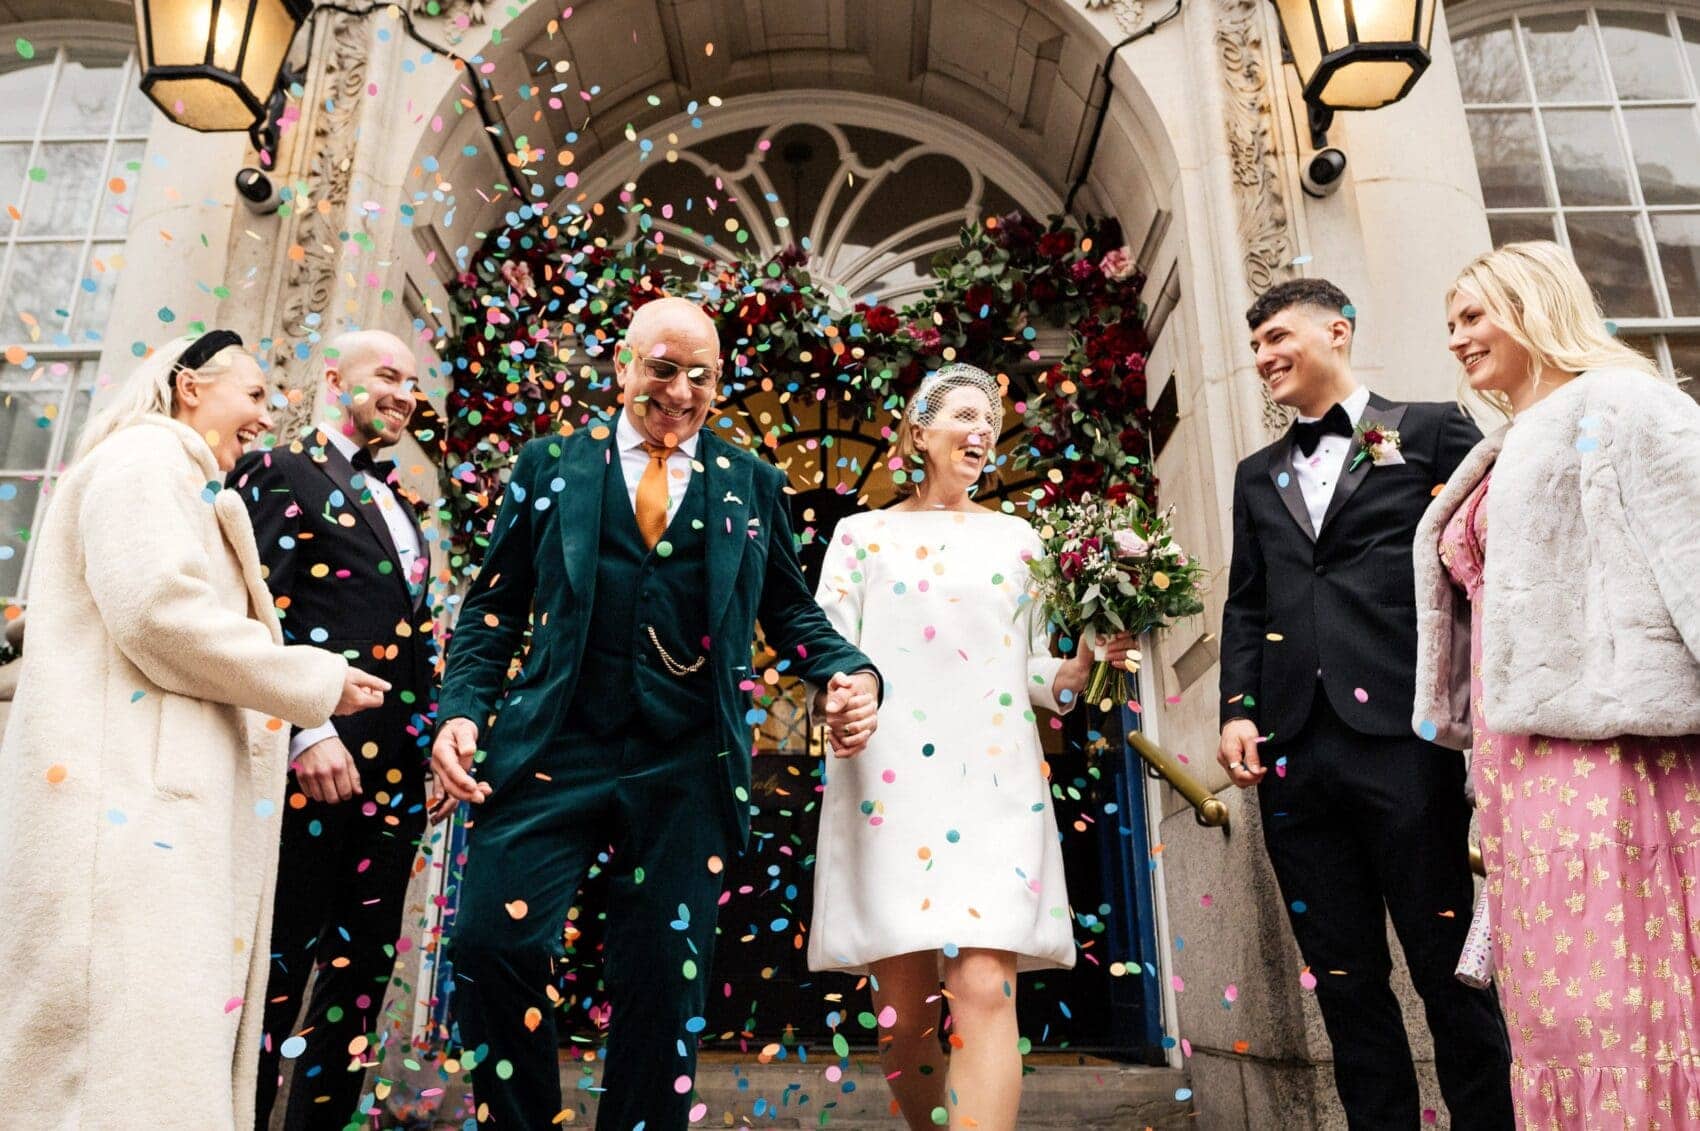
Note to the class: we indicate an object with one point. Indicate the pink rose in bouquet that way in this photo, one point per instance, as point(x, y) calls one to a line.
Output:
point(1130, 545)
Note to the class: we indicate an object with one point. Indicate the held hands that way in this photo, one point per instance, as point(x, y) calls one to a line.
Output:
point(451, 761)
point(361, 691)
point(326, 772)
point(851, 707)
point(1072, 676)
point(1238, 753)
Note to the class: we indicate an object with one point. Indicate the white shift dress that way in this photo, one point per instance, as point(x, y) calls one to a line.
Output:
point(940, 835)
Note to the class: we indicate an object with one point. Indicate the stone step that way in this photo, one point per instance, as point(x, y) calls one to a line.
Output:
point(1061, 1091)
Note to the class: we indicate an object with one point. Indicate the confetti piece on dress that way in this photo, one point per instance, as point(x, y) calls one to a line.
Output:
point(517, 909)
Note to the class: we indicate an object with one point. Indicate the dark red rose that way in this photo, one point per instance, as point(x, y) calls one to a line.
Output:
point(878, 319)
point(1042, 291)
point(979, 297)
point(1083, 270)
point(1017, 231)
point(1055, 245)
point(792, 256)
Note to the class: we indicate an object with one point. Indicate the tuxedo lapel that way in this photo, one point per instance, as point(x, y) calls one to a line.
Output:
point(1287, 484)
point(583, 466)
point(335, 466)
point(727, 507)
point(1355, 470)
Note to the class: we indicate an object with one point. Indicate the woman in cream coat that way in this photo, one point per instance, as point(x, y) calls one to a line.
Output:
point(1558, 616)
point(143, 768)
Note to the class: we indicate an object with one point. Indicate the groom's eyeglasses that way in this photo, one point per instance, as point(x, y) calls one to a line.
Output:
point(662, 372)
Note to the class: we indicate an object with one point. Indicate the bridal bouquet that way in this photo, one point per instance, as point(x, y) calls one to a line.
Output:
point(1112, 567)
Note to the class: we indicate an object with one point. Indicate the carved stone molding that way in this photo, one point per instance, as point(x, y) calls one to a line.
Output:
point(1264, 224)
point(323, 160)
point(1128, 13)
point(449, 9)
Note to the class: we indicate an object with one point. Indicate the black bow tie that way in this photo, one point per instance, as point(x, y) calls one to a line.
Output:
point(1309, 433)
point(371, 466)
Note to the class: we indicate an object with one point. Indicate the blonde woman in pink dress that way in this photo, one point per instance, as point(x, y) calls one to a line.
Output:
point(1558, 611)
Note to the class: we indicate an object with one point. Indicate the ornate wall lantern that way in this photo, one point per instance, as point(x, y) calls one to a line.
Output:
point(212, 64)
point(1357, 54)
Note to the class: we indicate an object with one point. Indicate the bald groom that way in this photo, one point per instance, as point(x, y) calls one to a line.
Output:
point(641, 555)
point(346, 563)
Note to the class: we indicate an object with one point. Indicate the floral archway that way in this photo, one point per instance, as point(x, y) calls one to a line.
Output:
point(541, 309)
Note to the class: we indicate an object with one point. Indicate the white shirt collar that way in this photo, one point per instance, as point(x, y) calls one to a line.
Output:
point(627, 437)
point(343, 444)
point(1354, 406)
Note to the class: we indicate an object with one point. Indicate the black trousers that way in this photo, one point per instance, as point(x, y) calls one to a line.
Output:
point(341, 885)
point(1360, 827)
point(659, 805)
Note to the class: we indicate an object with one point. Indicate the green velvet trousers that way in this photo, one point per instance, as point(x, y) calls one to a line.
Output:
point(659, 806)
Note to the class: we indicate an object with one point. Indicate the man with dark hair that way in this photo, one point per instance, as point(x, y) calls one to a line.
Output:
point(1361, 818)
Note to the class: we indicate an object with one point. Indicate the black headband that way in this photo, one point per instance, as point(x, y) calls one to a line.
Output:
point(205, 347)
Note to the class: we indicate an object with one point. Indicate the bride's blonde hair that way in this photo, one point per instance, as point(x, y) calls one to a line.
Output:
point(150, 388)
point(1535, 293)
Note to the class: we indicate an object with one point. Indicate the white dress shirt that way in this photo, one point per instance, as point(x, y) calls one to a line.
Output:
point(1318, 472)
point(414, 560)
point(633, 461)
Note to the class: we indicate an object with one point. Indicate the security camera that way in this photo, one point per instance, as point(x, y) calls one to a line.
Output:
point(1323, 172)
point(258, 192)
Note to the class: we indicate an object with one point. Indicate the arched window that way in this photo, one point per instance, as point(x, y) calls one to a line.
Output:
point(72, 129)
point(1586, 130)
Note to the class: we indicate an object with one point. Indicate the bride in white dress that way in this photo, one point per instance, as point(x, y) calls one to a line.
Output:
point(938, 852)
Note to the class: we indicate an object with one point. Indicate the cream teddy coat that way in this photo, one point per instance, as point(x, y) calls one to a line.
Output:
point(141, 780)
point(1592, 581)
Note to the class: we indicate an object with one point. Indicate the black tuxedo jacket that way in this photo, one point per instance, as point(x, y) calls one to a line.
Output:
point(1336, 604)
point(336, 577)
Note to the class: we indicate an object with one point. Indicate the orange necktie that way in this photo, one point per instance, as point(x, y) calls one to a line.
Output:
point(652, 496)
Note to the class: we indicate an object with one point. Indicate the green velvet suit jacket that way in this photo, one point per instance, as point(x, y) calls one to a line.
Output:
point(540, 571)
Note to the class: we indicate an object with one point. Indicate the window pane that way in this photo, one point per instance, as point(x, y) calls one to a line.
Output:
point(138, 111)
point(44, 276)
point(1608, 249)
point(1587, 160)
point(1508, 157)
point(1685, 359)
point(120, 194)
point(1488, 67)
point(1642, 55)
point(29, 408)
point(1667, 154)
point(17, 510)
point(86, 98)
point(1513, 228)
point(14, 160)
point(94, 290)
point(22, 91)
point(1677, 235)
point(63, 203)
point(1691, 43)
point(77, 415)
point(1563, 56)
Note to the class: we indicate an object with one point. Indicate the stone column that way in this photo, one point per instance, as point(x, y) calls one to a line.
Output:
point(293, 257)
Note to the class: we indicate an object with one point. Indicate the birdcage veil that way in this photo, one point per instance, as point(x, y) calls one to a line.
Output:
point(928, 401)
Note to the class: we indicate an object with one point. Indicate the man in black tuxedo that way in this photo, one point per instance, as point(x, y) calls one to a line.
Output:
point(346, 562)
point(1361, 818)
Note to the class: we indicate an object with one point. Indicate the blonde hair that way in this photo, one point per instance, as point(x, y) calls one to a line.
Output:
point(923, 407)
point(1536, 294)
point(150, 388)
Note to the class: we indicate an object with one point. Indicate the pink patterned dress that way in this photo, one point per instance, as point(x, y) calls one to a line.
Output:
point(1593, 864)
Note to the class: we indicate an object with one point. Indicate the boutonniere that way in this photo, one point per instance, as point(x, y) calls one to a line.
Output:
point(1378, 443)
